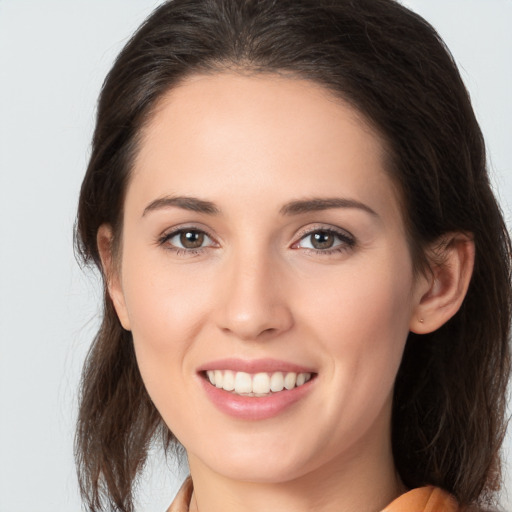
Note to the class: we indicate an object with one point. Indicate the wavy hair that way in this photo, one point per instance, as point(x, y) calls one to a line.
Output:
point(450, 394)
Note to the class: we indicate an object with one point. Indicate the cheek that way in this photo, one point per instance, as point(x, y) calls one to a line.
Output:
point(362, 318)
point(165, 320)
point(161, 302)
point(165, 312)
point(360, 328)
point(362, 295)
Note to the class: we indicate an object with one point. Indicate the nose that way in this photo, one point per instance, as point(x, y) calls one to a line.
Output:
point(253, 302)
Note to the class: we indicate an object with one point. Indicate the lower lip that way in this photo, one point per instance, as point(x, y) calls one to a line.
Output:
point(254, 408)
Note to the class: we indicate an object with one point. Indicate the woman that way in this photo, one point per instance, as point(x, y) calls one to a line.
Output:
point(307, 280)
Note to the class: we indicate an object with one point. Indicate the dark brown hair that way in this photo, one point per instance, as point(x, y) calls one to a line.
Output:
point(449, 404)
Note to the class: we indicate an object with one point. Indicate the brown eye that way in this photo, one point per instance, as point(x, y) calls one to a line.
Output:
point(326, 241)
point(187, 239)
point(322, 240)
point(191, 239)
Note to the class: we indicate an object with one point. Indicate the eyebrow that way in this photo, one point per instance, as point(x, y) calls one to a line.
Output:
point(318, 204)
point(186, 203)
point(292, 208)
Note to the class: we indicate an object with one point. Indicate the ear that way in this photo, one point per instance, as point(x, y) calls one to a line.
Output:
point(112, 273)
point(441, 292)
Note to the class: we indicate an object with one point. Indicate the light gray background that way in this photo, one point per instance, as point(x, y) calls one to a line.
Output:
point(54, 55)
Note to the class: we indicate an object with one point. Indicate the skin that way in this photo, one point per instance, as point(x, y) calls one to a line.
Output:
point(258, 289)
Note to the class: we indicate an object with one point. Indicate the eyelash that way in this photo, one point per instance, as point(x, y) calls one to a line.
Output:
point(180, 251)
point(347, 241)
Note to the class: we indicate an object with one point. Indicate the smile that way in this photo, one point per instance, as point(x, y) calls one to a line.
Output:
point(257, 384)
point(256, 389)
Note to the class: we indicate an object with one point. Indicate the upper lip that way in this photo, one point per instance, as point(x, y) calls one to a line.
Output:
point(254, 366)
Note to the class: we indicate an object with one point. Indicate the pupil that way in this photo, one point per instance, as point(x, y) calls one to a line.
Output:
point(191, 239)
point(322, 240)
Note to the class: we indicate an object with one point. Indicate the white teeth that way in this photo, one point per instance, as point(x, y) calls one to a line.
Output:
point(243, 383)
point(218, 378)
point(290, 380)
point(301, 379)
point(229, 381)
point(277, 382)
point(259, 384)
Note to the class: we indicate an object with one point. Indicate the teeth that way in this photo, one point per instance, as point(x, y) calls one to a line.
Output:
point(261, 383)
point(290, 380)
point(243, 383)
point(218, 378)
point(229, 380)
point(277, 382)
point(258, 384)
point(301, 379)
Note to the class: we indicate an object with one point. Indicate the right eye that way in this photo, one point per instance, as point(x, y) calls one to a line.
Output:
point(187, 240)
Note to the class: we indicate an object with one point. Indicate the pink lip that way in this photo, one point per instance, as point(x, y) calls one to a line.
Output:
point(254, 366)
point(255, 408)
point(250, 407)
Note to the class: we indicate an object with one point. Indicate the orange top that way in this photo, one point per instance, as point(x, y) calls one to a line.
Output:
point(423, 499)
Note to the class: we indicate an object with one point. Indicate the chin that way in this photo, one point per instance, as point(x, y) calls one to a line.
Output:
point(259, 465)
point(260, 471)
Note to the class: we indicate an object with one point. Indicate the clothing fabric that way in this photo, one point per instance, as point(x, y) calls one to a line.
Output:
point(423, 499)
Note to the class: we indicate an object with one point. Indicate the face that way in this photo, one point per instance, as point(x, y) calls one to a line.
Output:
point(265, 276)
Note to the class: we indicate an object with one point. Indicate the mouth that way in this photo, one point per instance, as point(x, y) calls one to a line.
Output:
point(262, 384)
point(258, 389)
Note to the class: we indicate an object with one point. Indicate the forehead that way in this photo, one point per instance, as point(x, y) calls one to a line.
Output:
point(260, 134)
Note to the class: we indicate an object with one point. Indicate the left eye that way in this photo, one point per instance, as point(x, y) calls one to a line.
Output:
point(188, 239)
point(325, 239)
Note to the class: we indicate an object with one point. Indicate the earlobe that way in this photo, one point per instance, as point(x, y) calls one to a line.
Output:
point(443, 290)
point(111, 273)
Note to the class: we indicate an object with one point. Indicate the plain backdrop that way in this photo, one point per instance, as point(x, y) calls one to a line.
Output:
point(54, 55)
